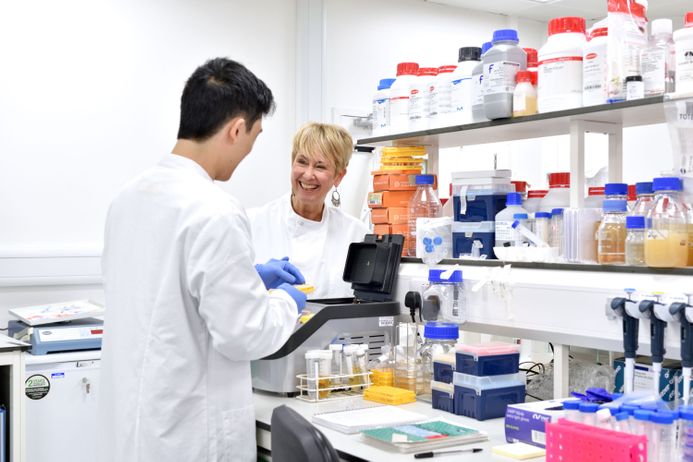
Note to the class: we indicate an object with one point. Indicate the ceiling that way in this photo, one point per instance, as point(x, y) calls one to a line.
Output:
point(543, 10)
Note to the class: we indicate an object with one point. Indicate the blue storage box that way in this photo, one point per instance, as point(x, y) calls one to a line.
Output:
point(481, 206)
point(464, 235)
point(443, 367)
point(443, 396)
point(494, 358)
point(485, 398)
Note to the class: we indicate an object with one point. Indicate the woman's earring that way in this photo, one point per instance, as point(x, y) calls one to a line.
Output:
point(336, 198)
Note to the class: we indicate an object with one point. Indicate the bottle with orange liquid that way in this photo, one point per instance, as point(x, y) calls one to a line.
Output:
point(666, 243)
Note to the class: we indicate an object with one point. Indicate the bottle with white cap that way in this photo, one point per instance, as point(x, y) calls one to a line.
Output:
point(658, 60)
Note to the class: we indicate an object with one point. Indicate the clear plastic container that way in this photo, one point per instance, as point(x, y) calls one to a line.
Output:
point(588, 413)
point(461, 91)
point(520, 220)
point(424, 204)
point(478, 113)
point(439, 109)
point(420, 98)
point(611, 235)
point(658, 60)
point(399, 97)
point(557, 230)
point(645, 199)
point(337, 362)
point(479, 383)
point(572, 409)
point(318, 371)
point(663, 442)
point(525, 95)
point(448, 287)
point(559, 192)
point(542, 226)
point(439, 338)
point(666, 243)
point(407, 360)
point(685, 436)
point(635, 241)
point(641, 422)
point(501, 63)
point(505, 235)
point(381, 108)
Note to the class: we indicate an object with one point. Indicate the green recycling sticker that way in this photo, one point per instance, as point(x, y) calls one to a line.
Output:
point(37, 386)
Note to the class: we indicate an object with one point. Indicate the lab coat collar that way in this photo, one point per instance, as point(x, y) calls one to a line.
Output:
point(299, 224)
point(178, 161)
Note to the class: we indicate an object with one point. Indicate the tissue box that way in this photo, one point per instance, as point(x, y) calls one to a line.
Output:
point(525, 422)
point(670, 380)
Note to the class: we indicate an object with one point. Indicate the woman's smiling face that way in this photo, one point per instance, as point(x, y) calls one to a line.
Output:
point(312, 177)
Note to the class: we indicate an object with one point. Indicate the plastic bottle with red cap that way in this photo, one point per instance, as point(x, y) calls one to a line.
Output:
point(627, 40)
point(559, 192)
point(525, 95)
point(683, 40)
point(658, 61)
point(420, 98)
point(534, 198)
point(560, 65)
point(400, 91)
point(594, 68)
point(532, 59)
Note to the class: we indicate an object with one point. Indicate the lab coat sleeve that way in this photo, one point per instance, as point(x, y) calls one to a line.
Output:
point(244, 321)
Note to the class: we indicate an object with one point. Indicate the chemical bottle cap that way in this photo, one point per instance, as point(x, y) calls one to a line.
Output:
point(486, 46)
point(542, 215)
point(441, 331)
point(571, 404)
point(588, 407)
point(667, 184)
point(523, 76)
point(424, 179)
point(626, 6)
point(501, 35)
point(644, 187)
point(632, 194)
point(688, 19)
point(621, 416)
point(535, 77)
point(444, 276)
point(686, 413)
point(615, 205)
point(407, 69)
point(595, 191)
point(520, 216)
point(427, 71)
point(612, 409)
point(616, 189)
point(634, 78)
point(513, 198)
point(385, 84)
point(520, 186)
point(469, 54)
point(559, 180)
point(641, 414)
point(663, 417)
point(635, 222)
point(567, 24)
point(662, 26)
point(336, 347)
point(446, 68)
point(629, 408)
point(599, 32)
point(557, 212)
point(532, 57)
point(536, 193)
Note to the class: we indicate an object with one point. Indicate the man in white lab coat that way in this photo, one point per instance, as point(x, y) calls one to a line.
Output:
point(186, 309)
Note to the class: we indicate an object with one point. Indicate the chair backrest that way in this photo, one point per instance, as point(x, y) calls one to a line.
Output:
point(295, 439)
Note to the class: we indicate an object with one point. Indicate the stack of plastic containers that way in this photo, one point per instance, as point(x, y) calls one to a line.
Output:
point(477, 198)
point(487, 379)
point(442, 389)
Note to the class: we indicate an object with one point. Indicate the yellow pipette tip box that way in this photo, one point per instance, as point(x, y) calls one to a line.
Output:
point(518, 451)
point(389, 395)
point(305, 288)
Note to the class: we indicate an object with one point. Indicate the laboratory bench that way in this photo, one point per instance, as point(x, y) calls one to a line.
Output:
point(353, 448)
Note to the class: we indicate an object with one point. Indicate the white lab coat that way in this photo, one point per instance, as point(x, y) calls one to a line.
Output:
point(186, 312)
point(318, 249)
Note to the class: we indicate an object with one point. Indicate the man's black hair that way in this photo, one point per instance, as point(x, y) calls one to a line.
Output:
point(218, 91)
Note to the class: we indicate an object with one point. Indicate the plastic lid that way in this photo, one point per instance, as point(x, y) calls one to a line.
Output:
point(686, 413)
point(488, 382)
point(542, 215)
point(667, 184)
point(599, 32)
point(385, 84)
point(663, 417)
point(520, 186)
point(424, 179)
point(635, 222)
point(615, 205)
point(616, 189)
point(520, 216)
point(486, 46)
point(535, 77)
point(441, 331)
point(559, 180)
point(513, 198)
point(688, 19)
point(536, 193)
point(643, 188)
point(427, 71)
point(613, 410)
point(567, 24)
point(629, 408)
point(558, 212)
point(447, 68)
point(641, 414)
point(469, 54)
point(632, 195)
point(488, 349)
point(445, 276)
point(588, 407)
point(571, 404)
point(532, 57)
point(634, 78)
point(621, 416)
point(407, 69)
point(596, 191)
point(523, 76)
point(662, 26)
point(505, 35)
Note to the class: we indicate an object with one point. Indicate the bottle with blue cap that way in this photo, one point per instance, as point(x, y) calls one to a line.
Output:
point(447, 287)
point(588, 413)
point(666, 242)
point(439, 339)
point(505, 234)
point(662, 444)
point(611, 235)
point(644, 199)
point(423, 204)
point(478, 113)
point(501, 63)
point(381, 108)
point(685, 436)
point(635, 241)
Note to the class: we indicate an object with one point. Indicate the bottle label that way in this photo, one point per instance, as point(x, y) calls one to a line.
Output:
point(505, 231)
point(381, 113)
point(594, 77)
point(461, 95)
point(417, 104)
point(560, 77)
point(653, 67)
point(478, 90)
point(440, 98)
point(399, 113)
point(500, 77)
point(684, 68)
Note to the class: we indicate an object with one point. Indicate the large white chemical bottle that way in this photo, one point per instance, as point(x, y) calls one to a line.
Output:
point(399, 97)
point(381, 108)
point(560, 65)
point(439, 108)
point(461, 85)
point(478, 113)
point(658, 61)
point(420, 98)
point(501, 63)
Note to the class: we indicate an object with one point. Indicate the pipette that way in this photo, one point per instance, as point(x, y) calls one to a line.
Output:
point(657, 329)
point(631, 326)
point(679, 310)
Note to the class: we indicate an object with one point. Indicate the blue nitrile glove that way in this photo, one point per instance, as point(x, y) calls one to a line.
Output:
point(298, 296)
point(275, 272)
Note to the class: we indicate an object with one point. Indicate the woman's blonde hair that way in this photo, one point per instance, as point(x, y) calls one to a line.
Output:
point(332, 141)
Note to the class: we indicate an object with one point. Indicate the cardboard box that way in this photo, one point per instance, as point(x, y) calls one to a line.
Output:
point(398, 182)
point(391, 215)
point(389, 199)
point(526, 422)
point(381, 229)
point(670, 380)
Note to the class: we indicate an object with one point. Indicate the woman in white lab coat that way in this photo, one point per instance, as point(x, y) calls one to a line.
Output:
point(300, 224)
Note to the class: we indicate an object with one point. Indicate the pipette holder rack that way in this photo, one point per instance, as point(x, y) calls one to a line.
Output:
point(568, 441)
point(332, 387)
